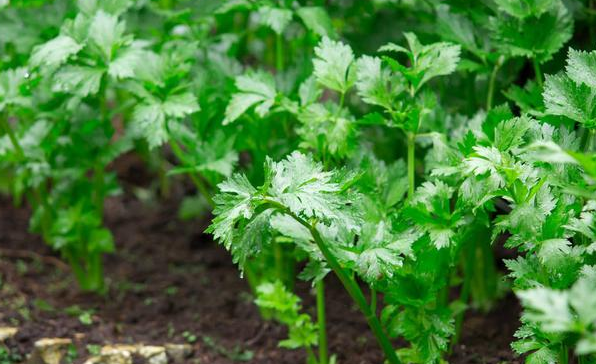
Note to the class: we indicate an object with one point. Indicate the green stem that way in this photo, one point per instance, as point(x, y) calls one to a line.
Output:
point(193, 176)
point(480, 284)
point(12, 137)
point(471, 92)
point(349, 284)
point(584, 136)
point(251, 276)
point(253, 282)
point(354, 291)
point(591, 20)
point(464, 294)
point(38, 198)
point(323, 350)
point(290, 271)
point(587, 139)
point(78, 271)
point(564, 354)
point(373, 300)
point(90, 274)
point(164, 182)
point(491, 86)
point(98, 186)
point(486, 275)
point(95, 273)
point(41, 195)
point(279, 53)
point(411, 164)
point(459, 320)
point(538, 72)
point(312, 358)
point(202, 188)
point(342, 100)
point(279, 262)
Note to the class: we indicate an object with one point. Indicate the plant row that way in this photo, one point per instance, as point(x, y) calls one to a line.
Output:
point(392, 144)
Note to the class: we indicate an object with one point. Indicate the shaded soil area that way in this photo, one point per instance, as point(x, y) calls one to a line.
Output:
point(168, 283)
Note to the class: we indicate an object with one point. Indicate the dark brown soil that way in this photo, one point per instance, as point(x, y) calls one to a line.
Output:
point(169, 283)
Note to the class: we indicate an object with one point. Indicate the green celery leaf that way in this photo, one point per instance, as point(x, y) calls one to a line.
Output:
point(115, 7)
point(12, 82)
point(317, 20)
point(105, 32)
point(562, 96)
point(275, 18)
point(333, 65)
point(150, 120)
point(180, 105)
point(456, 28)
point(432, 60)
point(125, 62)
point(527, 38)
point(256, 89)
point(55, 52)
point(525, 8)
point(581, 67)
point(374, 83)
point(79, 80)
point(151, 116)
point(548, 308)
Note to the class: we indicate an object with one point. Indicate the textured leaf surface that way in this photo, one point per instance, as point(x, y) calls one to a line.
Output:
point(332, 65)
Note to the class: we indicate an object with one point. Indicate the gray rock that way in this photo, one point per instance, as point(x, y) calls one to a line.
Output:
point(7, 333)
point(114, 354)
point(178, 352)
point(49, 351)
point(154, 354)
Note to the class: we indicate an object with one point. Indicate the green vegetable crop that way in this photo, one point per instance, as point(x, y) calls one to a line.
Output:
point(395, 145)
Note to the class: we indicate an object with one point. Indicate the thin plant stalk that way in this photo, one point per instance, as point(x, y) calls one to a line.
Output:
point(342, 100)
point(312, 358)
point(90, 273)
point(321, 320)
point(38, 197)
point(195, 178)
point(98, 186)
point(349, 284)
point(538, 72)
point(564, 354)
point(278, 255)
point(373, 300)
point(354, 291)
point(491, 85)
point(480, 279)
point(252, 278)
point(279, 53)
point(587, 139)
point(464, 295)
point(277, 248)
point(411, 163)
point(591, 20)
point(164, 181)
point(13, 139)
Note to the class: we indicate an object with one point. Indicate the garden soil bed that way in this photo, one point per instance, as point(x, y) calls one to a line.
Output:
point(168, 283)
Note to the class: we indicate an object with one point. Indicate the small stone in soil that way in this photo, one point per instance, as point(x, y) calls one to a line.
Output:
point(114, 354)
point(154, 354)
point(49, 350)
point(7, 333)
point(179, 352)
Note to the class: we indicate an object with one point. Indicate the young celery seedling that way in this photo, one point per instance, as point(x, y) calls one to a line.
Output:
point(298, 196)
